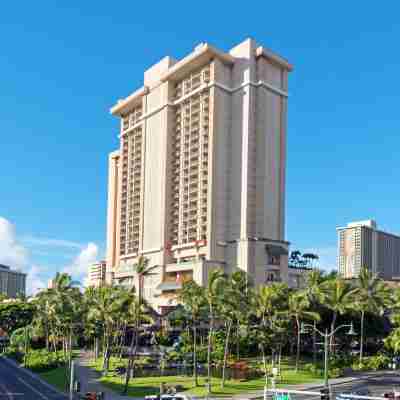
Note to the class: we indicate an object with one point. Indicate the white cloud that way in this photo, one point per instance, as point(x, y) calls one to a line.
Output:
point(79, 267)
point(11, 252)
point(21, 252)
point(34, 280)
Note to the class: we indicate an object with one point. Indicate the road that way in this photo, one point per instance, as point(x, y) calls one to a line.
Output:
point(376, 385)
point(18, 384)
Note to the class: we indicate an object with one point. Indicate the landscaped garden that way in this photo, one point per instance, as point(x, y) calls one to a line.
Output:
point(142, 386)
point(237, 336)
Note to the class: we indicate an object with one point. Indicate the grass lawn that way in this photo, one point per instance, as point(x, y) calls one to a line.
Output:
point(55, 377)
point(140, 387)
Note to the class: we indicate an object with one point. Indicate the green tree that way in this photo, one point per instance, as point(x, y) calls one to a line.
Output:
point(193, 297)
point(15, 314)
point(234, 307)
point(315, 295)
point(299, 309)
point(137, 312)
point(268, 305)
point(371, 296)
point(339, 297)
point(107, 305)
point(214, 290)
point(142, 270)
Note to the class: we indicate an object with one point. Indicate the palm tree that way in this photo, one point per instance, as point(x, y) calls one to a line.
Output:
point(193, 297)
point(216, 280)
point(268, 303)
point(298, 308)
point(234, 307)
point(315, 295)
point(137, 314)
point(107, 306)
point(339, 297)
point(372, 296)
point(142, 270)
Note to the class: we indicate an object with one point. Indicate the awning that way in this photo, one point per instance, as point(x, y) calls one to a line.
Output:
point(275, 250)
point(169, 286)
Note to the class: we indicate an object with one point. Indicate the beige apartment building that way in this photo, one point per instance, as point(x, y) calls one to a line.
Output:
point(361, 244)
point(12, 283)
point(198, 181)
point(97, 274)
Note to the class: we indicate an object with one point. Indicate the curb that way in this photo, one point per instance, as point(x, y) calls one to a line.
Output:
point(34, 376)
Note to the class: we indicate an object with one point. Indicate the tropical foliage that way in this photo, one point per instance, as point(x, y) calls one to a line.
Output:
point(218, 324)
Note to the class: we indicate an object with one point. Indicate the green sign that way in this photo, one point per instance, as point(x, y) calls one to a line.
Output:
point(281, 396)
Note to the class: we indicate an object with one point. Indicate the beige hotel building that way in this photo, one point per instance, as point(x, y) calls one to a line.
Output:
point(198, 181)
point(361, 244)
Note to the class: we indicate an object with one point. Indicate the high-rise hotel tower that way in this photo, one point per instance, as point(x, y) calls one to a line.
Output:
point(199, 179)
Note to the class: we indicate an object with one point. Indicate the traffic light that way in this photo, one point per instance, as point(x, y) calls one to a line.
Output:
point(324, 394)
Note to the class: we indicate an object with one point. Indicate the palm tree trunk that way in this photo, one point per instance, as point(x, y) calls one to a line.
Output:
point(226, 352)
point(265, 364)
point(362, 335)
point(96, 348)
point(332, 329)
point(238, 340)
point(132, 356)
point(106, 357)
point(210, 332)
point(298, 344)
point(196, 383)
point(121, 345)
point(47, 337)
point(315, 343)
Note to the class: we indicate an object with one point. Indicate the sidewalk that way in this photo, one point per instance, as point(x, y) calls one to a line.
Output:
point(89, 379)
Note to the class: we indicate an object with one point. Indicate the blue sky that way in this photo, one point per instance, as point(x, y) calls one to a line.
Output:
point(63, 64)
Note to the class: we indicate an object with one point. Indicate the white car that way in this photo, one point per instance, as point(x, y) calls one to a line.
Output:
point(170, 397)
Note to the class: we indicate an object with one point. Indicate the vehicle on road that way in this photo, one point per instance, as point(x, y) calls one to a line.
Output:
point(349, 395)
point(170, 397)
point(391, 395)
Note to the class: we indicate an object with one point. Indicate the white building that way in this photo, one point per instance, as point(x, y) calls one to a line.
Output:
point(199, 179)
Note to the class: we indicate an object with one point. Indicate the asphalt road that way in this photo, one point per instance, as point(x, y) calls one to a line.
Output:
point(377, 386)
point(18, 384)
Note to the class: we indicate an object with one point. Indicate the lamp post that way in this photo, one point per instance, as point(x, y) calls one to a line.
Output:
point(327, 335)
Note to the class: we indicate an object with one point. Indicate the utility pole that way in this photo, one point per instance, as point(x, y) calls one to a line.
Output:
point(26, 345)
point(71, 382)
point(326, 343)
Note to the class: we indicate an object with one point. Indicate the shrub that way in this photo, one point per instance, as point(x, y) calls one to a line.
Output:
point(42, 360)
point(374, 363)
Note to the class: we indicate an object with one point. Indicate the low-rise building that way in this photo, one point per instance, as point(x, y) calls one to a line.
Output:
point(362, 245)
point(297, 276)
point(12, 283)
point(97, 274)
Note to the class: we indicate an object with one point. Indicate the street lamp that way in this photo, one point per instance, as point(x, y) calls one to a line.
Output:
point(326, 337)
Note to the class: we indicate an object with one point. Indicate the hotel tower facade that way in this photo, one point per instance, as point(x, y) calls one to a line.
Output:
point(198, 181)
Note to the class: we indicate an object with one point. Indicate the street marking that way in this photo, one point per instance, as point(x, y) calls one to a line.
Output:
point(6, 393)
point(34, 389)
point(10, 395)
point(345, 396)
point(294, 391)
